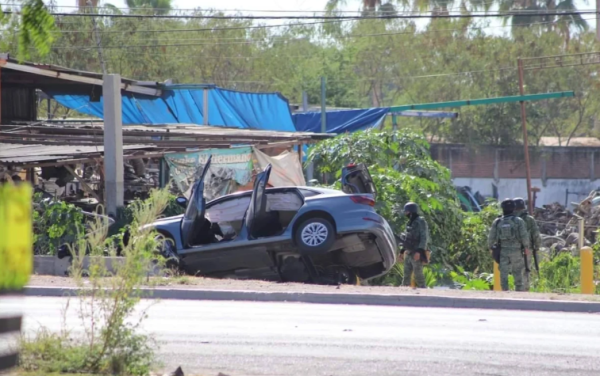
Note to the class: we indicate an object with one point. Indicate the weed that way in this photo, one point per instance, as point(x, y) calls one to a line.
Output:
point(111, 343)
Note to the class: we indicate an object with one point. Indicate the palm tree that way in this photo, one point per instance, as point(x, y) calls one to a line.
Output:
point(560, 24)
point(369, 7)
point(158, 6)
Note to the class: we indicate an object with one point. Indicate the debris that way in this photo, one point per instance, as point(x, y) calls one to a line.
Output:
point(560, 227)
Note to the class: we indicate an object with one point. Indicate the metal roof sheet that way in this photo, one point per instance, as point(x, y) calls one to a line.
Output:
point(19, 153)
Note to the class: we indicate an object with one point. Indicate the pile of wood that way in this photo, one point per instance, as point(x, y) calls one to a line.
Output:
point(560, 227)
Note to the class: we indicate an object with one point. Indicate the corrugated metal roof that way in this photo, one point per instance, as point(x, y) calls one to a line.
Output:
point(18, 153)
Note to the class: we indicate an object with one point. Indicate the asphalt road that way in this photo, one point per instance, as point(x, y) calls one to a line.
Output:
point(242, 338)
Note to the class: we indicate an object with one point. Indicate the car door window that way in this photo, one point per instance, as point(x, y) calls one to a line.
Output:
point(193, 218)
point(258, 202)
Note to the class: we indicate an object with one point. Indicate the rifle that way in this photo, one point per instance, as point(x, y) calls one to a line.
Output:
point(408, 244)
point(535, 260)
point(496, 252)
point(405, 243)
point(525, 260)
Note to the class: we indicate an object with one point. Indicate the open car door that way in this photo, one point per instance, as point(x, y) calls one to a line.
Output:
point(195, 210)
point(258, 202)
point(356, 179)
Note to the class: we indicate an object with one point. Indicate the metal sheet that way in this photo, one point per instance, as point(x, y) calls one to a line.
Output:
point(18, 153)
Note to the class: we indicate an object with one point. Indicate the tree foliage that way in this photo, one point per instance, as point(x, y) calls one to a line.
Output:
point(33, 29)
point(365, 62)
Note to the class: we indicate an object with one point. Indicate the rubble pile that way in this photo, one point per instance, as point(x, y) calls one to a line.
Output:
point(560, 227)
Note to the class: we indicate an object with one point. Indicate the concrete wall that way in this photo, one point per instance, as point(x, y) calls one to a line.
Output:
point(554, 170)
point(52, 265)
point(554, 191)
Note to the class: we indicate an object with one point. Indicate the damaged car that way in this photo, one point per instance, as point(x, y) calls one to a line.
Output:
point(290, 234)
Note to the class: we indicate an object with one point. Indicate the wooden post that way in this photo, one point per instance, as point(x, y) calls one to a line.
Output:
point(525, 141)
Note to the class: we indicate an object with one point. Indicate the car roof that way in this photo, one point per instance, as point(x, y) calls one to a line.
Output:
point(271, 189)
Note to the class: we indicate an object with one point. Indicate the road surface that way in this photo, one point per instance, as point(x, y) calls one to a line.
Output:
point(243, 338)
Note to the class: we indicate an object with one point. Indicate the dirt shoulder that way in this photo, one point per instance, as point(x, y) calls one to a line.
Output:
point(199, 283)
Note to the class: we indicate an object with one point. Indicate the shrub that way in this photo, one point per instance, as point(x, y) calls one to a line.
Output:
point(111, 343)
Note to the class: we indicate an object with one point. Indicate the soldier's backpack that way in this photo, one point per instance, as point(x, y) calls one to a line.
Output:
point(507, 228)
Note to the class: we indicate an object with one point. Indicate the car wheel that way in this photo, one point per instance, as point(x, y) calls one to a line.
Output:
point(315, 235)
point(166, 248)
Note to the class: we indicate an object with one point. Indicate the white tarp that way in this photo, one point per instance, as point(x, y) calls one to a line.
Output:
point(286, 170)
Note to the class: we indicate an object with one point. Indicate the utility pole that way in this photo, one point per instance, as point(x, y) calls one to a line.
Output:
point(525, 141)
point(113, 143)
point(323, 107)
point(550, 62)
point(310, 169)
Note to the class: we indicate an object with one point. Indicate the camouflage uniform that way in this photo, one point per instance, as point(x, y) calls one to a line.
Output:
point(535, 240)
point(416, 230)
point(511, 232)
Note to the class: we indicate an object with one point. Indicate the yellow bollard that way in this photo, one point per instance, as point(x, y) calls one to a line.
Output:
point(497, 284)
point(587, 270)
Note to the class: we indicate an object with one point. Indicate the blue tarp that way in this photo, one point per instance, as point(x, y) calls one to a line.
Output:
point(340, 121)
point(184, 105)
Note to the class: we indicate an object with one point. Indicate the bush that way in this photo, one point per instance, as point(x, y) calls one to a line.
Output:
point(111, 343)
point(561, 274)
point(471, 250)
point(54, 224)
point(402, 170)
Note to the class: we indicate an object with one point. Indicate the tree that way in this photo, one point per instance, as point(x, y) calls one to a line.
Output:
point(35, 29)
point(158, 6)
point(562, 24)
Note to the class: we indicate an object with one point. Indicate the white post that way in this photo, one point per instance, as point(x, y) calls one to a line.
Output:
point(113, 143)
point(205, 107)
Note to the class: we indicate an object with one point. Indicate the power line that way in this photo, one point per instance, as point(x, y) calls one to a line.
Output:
point(244, 40)
point(213, 29)
point(357, 12)
point(315, 17)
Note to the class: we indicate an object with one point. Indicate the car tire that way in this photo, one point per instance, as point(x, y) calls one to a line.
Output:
point(168, 251)
point(314, 236)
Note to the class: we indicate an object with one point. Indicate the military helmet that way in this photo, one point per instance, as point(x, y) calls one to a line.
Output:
point(508, 205)
point(519, 203)
point(411, 207)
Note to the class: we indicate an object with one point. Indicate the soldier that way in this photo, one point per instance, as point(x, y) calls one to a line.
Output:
point(510, 233)
point(415, 246)
point(533, 232)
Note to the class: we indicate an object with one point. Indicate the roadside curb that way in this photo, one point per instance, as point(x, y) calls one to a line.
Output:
point(346, 298)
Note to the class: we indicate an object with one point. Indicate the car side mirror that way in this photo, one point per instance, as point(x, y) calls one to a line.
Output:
point(182, 201)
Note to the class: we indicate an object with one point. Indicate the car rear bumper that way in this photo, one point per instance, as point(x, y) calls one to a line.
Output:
point(377, 226)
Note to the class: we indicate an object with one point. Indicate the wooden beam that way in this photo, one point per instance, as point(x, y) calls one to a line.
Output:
point(88, 159)
point(76, 78)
